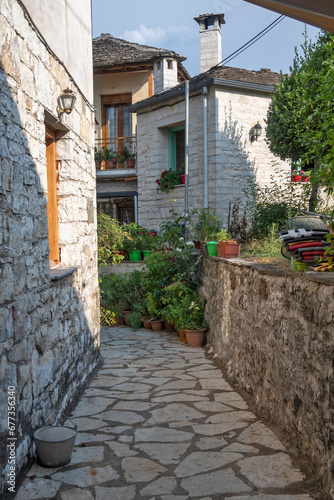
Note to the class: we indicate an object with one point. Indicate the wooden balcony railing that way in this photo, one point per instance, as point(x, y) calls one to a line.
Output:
point(115, 152)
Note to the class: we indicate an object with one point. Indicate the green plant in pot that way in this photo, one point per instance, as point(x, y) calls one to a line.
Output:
point(227, 246)
point(135, 320)
point(168, 180)
point(154, 307)
point(193, 319)
point(133, 241)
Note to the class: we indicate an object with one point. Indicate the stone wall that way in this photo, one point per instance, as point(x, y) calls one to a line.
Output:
point(49, 330)
point(273, 331)
point(233, 159)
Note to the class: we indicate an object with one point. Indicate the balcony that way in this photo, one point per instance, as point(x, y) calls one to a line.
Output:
point(116, 153)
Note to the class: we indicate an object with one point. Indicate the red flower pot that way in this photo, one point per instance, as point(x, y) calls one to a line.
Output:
point(195, 338)
point(157, 325)
point(305, 178)
point(228, 249)
point(127, 317)
point(183, 178)
point(147, 322)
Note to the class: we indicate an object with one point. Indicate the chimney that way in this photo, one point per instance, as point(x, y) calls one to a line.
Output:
point(211, 39)
point(165, 74)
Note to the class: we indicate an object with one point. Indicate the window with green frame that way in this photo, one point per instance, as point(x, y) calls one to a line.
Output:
point(176, 148)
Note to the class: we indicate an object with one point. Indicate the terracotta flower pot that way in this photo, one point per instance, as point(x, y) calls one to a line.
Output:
point(98, 164)
point(116, 320)
point(110, 165)
point(183, 337)
point(228, 249)
point(147, 322)
point(195, 338)
point(305, 178)
point(131, 163)
point(169, 326)
point(127, 317)
point(157, 325)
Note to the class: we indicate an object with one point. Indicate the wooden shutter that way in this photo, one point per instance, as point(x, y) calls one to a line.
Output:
point(52, 211)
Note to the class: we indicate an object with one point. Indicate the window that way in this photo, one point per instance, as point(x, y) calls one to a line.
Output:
point(52, 211)
point(116, 120)
point(126, 212)
point(176, 147)
point(170, 64)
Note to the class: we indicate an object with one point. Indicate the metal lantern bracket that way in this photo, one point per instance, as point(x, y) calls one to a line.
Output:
point(66, 102)
point(255, 132)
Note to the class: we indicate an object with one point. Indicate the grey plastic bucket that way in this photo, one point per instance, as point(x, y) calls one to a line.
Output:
point(54, 444)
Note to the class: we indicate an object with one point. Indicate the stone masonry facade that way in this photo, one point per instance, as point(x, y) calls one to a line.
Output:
point(273, 331)
point(233, 159)
point(49, 330)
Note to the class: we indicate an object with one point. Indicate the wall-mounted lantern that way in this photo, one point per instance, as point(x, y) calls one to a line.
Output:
point(66, 102)
point(255, 132)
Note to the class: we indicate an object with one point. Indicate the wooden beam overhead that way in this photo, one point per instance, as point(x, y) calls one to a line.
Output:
point(318, 13)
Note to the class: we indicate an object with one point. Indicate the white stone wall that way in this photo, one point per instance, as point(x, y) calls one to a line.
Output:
point(235, 160)
point(49, 331)
point(232, 158)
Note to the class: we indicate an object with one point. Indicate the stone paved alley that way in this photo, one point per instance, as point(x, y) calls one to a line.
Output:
point(160, 423)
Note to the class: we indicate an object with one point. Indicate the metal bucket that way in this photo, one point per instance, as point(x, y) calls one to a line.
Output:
point(54, 444)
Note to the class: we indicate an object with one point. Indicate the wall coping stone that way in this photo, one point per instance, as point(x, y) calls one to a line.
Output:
point(272, 269)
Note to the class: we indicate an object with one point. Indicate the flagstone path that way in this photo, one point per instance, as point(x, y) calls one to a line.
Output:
point(160, 423)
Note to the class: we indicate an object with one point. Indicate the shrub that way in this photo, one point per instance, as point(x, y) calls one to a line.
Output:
point(168, 180)
point(135, 320)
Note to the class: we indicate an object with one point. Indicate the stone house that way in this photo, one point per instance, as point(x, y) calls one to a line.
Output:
point(49, 300)
point(226, 105)
point(124, 74)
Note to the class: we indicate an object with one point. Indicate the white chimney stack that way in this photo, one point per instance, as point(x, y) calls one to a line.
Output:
point(211, 39)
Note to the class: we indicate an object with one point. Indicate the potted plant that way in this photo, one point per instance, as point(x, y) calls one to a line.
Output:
point(206, 228)
point(306, 175)
point(109, 158)
point(227, 247)
point(135, 320)
point(168, 180)
point(297, 174)
point(193, 320)
point(133, 241)
point(129, 157)
point(99, 158)
point(154, 308)
point(151, 242)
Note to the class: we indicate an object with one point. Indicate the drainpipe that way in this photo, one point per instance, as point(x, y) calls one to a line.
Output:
point(186, 163)
point(205, 145)
point(136, 208)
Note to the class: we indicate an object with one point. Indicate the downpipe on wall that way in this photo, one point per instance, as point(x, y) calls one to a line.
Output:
point(186, 162)
point(205, 145)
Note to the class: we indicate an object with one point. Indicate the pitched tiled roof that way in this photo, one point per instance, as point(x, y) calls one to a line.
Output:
point(220, 75)
point(111, 51)
point(263, 77)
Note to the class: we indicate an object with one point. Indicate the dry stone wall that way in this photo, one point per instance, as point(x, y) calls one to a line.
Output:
point(49, 331)
point(273, 331)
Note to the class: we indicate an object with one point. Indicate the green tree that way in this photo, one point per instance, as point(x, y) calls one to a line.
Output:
point(300, 117)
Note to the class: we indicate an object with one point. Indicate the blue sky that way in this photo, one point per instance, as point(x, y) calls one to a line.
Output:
point(170, 25)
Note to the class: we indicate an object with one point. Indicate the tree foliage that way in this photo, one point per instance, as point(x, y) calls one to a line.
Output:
point(300, 120)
